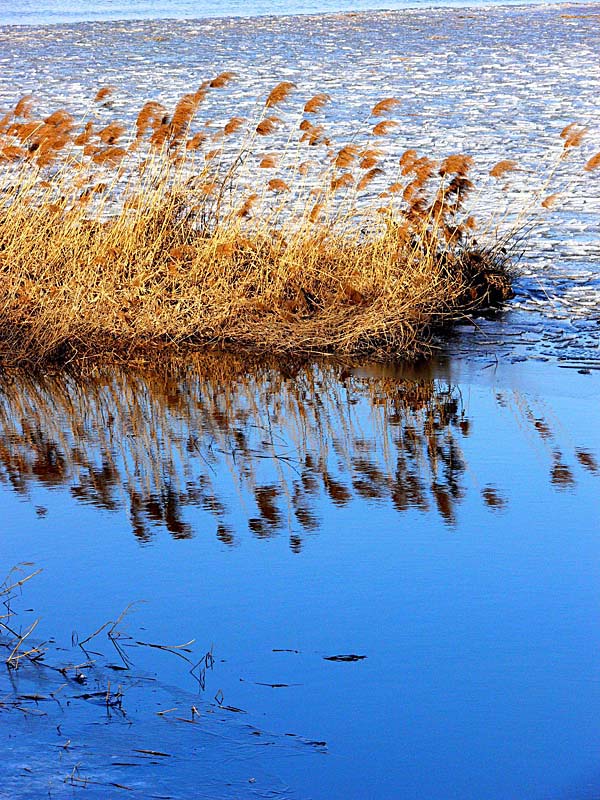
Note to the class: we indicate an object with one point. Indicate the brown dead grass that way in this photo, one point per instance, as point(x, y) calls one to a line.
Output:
point(168, 236)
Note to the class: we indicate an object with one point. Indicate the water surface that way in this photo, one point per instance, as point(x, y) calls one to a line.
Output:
point(47, 12)
point(442, 523)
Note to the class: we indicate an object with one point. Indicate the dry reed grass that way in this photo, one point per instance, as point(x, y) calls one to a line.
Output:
point(179, 234)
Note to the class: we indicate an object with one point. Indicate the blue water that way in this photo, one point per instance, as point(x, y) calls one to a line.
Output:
point(444, 525)
point(41, 12)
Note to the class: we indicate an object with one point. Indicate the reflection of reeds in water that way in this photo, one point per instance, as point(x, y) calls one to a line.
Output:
point(266, 447)
point(561, 474)
point(289, 439)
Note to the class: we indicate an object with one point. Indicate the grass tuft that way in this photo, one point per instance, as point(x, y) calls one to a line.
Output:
point(176, 233)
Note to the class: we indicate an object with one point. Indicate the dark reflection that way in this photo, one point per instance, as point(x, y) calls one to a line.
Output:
point(492, 497)
point(561, 474)
point(268, 444)
point(587, 461)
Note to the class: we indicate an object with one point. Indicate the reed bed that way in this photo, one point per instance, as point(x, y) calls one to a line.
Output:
point(268, 234)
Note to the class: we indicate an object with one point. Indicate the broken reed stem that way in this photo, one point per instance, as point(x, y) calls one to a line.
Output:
point(13, 659)
point(7, 589)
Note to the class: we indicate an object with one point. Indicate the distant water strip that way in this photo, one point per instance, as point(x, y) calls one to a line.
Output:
point(33, 12)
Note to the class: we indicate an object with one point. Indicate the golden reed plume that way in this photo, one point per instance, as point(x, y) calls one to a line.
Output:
point(280, 93)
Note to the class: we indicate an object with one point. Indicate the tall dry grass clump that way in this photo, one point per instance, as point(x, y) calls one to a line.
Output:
point(262, 233)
